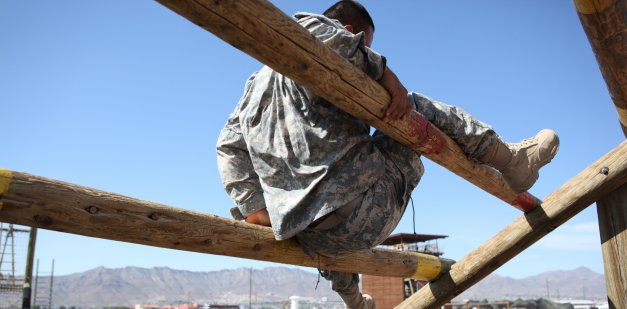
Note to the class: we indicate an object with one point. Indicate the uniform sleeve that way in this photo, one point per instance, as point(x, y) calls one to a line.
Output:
point(350, 46)
point(236, 169)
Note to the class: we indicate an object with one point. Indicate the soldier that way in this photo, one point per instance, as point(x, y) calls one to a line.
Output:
point(292, 160)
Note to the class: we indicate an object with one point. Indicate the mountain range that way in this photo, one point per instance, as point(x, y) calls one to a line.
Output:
point(163, 286)
point(578, 283)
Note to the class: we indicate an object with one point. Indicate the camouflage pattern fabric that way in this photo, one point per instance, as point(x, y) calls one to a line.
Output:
point(341, 282)
point(472, 135)
point(287, 149)
point(384, 204)
point(380, 210)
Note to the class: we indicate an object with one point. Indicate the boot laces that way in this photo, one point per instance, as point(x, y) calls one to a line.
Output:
point(525, 143)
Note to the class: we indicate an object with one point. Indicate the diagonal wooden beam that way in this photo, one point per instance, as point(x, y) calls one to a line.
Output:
point(261, 30)
point(605, 24)
point(59, 206)
point(567, 201)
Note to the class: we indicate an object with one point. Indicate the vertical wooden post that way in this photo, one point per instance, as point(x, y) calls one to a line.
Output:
point(612, 211)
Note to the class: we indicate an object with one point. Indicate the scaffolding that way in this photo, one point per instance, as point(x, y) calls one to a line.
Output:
point(42, 293)
point(419, 243)
point(13, 250)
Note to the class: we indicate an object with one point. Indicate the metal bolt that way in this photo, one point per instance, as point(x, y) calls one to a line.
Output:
point(154, 216)
point(92, 210)
point(177, 243)
point(551, 229)
point(605, 171)
point(257, 247)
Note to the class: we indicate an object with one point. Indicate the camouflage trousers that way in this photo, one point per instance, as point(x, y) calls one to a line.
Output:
point(384, 204)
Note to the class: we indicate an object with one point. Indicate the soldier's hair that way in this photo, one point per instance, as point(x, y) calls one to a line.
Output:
point(350, 12)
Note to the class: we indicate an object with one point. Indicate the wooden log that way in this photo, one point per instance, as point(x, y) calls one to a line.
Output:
point(561, 205)
point(58, 206)
point(605, 24)
point(612, 211)
point(261, 30)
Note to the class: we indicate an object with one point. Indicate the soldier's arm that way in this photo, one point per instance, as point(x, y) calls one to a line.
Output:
point(401, 106)
point(236, 169)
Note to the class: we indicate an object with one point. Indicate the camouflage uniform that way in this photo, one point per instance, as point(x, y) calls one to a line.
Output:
point(311, 158)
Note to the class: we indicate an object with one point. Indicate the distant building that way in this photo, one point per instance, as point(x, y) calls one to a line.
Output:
point(146, 307)
point(180, 307)
point(484, 304)
point(580, 303)
point(388, 292)
point(224, 307)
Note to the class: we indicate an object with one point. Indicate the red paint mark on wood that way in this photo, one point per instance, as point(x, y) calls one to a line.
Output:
point(525, 201)
point(424, 135)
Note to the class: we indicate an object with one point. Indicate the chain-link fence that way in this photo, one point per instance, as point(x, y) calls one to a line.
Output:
point(13, 250)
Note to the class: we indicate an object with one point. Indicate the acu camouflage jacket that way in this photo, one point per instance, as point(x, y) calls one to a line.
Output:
point(308, 156)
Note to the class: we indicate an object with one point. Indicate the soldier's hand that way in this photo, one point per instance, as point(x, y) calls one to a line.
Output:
point(401, 107)
point(261, 217)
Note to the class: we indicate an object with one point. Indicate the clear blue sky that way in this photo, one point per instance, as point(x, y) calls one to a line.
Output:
point(128, 97)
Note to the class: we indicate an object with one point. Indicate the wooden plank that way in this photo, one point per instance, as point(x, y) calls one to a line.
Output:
point(261, 30)
point(59, 206)
point(561, 205)
point(612, 211)
point(605, 24)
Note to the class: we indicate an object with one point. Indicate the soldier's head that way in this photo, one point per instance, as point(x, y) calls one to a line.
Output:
point(353, 17)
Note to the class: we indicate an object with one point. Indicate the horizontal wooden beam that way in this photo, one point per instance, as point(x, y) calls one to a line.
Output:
point(605, 24)
point(596, 181)
point(59, 206)
point(264, 32)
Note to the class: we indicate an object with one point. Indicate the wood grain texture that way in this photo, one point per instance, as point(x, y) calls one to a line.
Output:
point(561, 205)
point(612, 211)
point(264, 32)
point(605, 24)
point(59, 206)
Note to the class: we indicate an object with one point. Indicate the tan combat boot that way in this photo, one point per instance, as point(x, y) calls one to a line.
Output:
point(357, 301)
point(519, 163)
